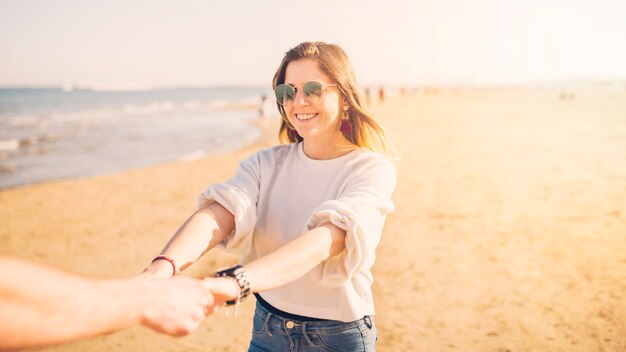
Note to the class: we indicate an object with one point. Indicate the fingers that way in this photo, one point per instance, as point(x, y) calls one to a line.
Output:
point(218, 292)
point(180, 304)
point(223, 289)
point(211, 309)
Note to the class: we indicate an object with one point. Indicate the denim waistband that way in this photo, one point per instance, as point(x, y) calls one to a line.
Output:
point(270, 308)
point(319, 326)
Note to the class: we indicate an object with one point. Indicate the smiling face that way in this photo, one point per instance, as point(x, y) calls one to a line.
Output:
point(315, 122)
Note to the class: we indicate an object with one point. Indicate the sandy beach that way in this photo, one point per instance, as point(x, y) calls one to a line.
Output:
point(509, 232)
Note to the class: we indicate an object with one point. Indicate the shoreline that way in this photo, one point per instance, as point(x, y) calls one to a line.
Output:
point(41, 160)
point(52, 134)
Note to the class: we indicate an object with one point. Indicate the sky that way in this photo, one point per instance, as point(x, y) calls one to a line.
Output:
point(136, 44)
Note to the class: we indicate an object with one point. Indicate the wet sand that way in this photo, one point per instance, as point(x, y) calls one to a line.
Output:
point(509, 233)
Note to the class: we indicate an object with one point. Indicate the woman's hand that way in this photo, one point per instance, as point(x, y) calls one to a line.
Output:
point(224, 289)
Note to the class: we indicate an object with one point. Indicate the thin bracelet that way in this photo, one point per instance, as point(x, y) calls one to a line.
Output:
point(164, 257)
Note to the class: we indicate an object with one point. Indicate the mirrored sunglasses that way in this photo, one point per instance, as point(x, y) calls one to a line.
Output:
point(285, 93)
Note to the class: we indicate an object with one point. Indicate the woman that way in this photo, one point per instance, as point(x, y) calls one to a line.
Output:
point(305, 216)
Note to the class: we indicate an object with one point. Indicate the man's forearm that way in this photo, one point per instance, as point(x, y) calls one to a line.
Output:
point(40, 305)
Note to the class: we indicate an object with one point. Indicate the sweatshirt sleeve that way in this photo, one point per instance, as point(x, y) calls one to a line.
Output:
point(239, 195)
point(360, 210)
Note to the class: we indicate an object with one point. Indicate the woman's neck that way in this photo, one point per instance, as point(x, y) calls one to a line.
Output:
point(327, 151)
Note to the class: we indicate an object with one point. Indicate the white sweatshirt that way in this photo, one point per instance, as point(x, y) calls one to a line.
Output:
point(279, 193)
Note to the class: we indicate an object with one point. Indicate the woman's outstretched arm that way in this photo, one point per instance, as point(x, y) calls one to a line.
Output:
point(291, 261)
point(202, 231)
point(296, 258)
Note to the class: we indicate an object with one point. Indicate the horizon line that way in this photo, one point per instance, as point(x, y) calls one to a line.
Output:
point(145, 88)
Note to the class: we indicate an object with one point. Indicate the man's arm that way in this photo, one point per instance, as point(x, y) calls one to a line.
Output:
point(43, 306)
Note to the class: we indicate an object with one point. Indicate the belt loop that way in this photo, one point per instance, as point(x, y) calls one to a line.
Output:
point(306, 336)
point(362, 326)
point(368, 321)
point(266, 324)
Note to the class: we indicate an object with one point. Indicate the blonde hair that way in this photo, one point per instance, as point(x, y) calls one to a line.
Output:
point(334, 62)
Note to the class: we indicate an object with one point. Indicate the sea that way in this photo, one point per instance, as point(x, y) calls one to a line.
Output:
point(64, 133)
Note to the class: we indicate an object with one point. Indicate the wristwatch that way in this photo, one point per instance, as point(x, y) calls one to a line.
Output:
point(237, 273)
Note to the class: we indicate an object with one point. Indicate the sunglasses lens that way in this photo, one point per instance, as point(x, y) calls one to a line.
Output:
point(284, 94)
point(313, 91)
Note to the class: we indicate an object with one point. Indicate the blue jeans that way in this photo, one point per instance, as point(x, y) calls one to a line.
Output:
point(271, 332)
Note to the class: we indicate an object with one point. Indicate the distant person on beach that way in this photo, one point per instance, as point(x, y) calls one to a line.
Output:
point(381, 94)
point(262, 106)
point(266, 107)
point(42, 306)
point(305, 216)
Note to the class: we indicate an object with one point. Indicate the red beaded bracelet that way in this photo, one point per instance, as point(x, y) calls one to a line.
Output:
point(164, 257)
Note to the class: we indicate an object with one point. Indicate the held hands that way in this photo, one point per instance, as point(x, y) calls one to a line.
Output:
point(178, 305)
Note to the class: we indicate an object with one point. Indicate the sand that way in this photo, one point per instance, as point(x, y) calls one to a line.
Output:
point(509, 233)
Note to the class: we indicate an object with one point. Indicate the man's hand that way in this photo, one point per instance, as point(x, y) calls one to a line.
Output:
point(178, 305)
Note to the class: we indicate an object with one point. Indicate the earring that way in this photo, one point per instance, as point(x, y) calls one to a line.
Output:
point(346, 127)
point(295, 134)
point(291, 131)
